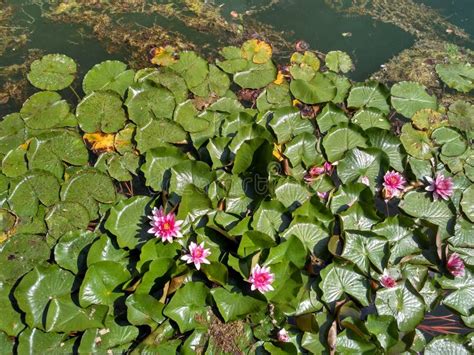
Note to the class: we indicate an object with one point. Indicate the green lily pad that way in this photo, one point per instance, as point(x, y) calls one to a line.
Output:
point(365, 250)
point(65, 216)
point(467, 203)
point(461, 115)
point(452, 142)
point(109, 75)
point(450, 344)
point(38, 288)
point(319, 89)
point(461, 299)
point(403, 303)
point(256, 76)
point(409, 97)
point(31, 189)
point(101, 112)
point(71, 250)
point(146, 104)
point(127, 219)
point(416, 143)
point(52, 72)
point(12, 132)
point(287, 123)
point(457, 76)
point(89, 187)
point(35, 340)
point(338, 280)
point(369, 95)
point(143, 309)
point(44, 110)
point(340, 139)
point(330, 116)
point(419, 205)
point(101, 284)
point(188, 306)
point(338, 61)
point(371, 118)
point(14, 259)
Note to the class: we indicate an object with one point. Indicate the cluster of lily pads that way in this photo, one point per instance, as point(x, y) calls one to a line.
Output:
point(289, 210)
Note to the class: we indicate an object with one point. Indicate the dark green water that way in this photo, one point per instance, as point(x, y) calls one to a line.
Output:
point(371, 42)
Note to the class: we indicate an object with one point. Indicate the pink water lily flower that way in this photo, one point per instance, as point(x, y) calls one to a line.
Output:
point(455, 265)
point(394, 183)
point(440, 186)
point(387, 281)
point(197, 255)
point(261, 279)
point(283, 336)
point(328, 167)
point(313, 173)
point(164, 226)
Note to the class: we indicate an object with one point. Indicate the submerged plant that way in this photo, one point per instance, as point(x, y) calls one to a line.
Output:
point(270, 228)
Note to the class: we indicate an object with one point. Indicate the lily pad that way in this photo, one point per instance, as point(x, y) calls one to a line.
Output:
point(403, 303)
point(109, 75)
point(457, 76)
point(52, 72)
point(101, 112)
point(338, 61)
point(341, 139)
point(409, 97)
point(44, 110)
point(467, 203)
point(127, 220)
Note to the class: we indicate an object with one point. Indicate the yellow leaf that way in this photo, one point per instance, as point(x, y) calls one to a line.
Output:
point(297, 103)
point(280, 79)
point(277, 152)
point(163, 56)
point(100, 142)
point(257, 51)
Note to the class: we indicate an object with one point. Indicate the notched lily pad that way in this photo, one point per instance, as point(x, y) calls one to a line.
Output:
point(52, 72)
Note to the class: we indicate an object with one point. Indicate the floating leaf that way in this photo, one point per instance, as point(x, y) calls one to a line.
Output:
point(371, 118)
point(101, 111)
point(421, 206)
point(319, 89)
point(256, 76)
point(102, 283)
point(338, 280)
point(416, 143)
point(452, 142)
point(409, 97)
point(89, 187)
point(339, 61)
point(31, 189)
point(127, 219)
point(188, 306)
point(16, 262)
point(329, 117)
point(256, 51)
point(38, 289)
point(147, 104)
point(44, 110)
point(109, 75)
point(52, 72)
point(287, 123)
point(461, 298)
point(71, 250)
point(461, 115)
point(341, 139)
point(369, 95)
point(467, 203)
point(457, 76)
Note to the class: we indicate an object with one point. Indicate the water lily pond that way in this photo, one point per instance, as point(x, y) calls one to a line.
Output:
point(238, 177)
